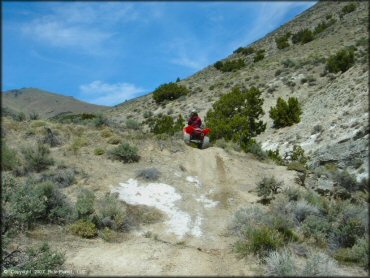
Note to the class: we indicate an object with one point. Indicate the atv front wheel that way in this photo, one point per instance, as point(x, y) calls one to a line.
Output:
point(205, 143)
point(187, 138)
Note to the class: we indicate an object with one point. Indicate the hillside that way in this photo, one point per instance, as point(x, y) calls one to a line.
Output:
point(100, 196)
point(335, 104)
point(46, 104)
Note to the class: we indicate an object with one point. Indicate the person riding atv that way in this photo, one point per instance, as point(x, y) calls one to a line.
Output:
point(194, 120)
point(193, 132)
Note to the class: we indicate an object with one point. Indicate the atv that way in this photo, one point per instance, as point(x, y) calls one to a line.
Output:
point(196, 136)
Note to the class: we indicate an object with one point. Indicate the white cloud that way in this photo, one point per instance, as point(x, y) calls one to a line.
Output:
point(85, 27)
point(98, 92)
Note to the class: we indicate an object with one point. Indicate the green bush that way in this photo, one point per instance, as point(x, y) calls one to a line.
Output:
point(162, 124)
point(100, 120)
point(323, 25)
point(348, 8)
point(31, 202)
point(341, 61)
point(20, 117)
point(85, 204)
point(346, 180)
point(37, 158)
point(286, 114)
point(245, 50)
point(303, 36)
point(260, 241)
point(83, 228)
point(9, 158)
point(275, 156)
point(99, 151)
point(115, 140)
point(147, 114)
point(267, 187)
point(132, 124)
point(235, 116)
point(61, 177)
point(317, 227)
point(288, 63)
point(40, 258)
point(358, 254)
point(260, 55)
point(34, 116)
point(169, 91)
point(230, 65)
point(256, 149)
point(125, 153)
point(107, 235)
point(298, 156)
point(282, 41)
point(111, 212)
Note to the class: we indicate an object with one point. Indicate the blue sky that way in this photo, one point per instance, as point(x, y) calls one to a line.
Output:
point(107, 52)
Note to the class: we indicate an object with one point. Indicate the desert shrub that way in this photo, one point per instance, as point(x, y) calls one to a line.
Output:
point(235, 116)
point(125, 153)
point(9, 158)
point(323, 26)
point(31, 202)
point(179, 123)
point(319, 264)
point(115, 140)
point(293, 194)
point(147, 114)
point(132, 124)
point(298, 155)
point(60, 177)
point(57, 209)
point(302, 210)
point(36, 258)
point(34, 116)
point(245, 50)
point(85, 203)
point(37, 158)
point(20, 117)
point(260, 55)
point(108, 235)
point(230, 65)
point(77, 144)
point(282, 41)
point(169, 91)
point(100, 120)
point(346, 180)
point(260, 241)
point(37, 124)
point(345, 233)
point(275, 156)
point(303, 36)
point(281, 264)
point(246, 218)
point(151, 174)
point(286, 114)
point(99, 151)
point(348, 8)
point(360, 252)
point(105, 133)
point(317, 227)
point(288, 63)
point(83, 228)
point(111, 212)
point(341, 61)
point(162, 124)
point(256, 149)
point(267, 187)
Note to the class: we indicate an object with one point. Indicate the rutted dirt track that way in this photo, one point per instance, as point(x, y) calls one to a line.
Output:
point(212, 184)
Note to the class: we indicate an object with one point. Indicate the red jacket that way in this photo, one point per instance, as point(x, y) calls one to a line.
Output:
point(195, 121)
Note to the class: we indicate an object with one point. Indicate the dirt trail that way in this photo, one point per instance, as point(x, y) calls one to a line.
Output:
point(212, 185)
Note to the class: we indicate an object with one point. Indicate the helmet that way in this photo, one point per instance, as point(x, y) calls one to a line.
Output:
point(193, 112)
